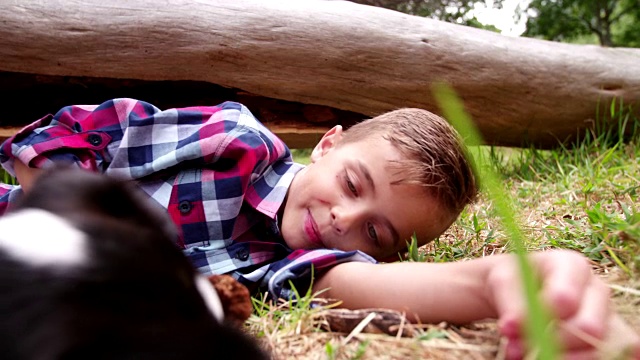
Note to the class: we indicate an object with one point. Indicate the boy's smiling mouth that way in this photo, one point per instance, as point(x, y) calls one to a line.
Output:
point(311, 229)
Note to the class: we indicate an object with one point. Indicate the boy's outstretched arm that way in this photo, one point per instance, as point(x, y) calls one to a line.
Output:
point(483, 288)
point(452, 292)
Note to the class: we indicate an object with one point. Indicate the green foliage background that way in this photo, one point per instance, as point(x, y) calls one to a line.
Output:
point(605, 22)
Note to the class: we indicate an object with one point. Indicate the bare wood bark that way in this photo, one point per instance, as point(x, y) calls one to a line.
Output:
point(6, 132)
point(338, 54)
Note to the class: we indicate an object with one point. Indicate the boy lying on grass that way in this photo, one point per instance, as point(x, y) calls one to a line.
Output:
point(244, 208)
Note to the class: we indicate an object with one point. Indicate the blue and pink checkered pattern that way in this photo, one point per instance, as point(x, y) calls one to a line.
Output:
point(219, 172)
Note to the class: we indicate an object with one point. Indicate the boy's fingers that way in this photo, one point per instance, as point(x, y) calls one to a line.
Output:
point(515, 349)
point(589, 325)
point(578, 299)
point(582, 355)
point(566, 276)
point(506, 291)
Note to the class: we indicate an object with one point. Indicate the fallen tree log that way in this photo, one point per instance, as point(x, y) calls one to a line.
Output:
point(337, 54)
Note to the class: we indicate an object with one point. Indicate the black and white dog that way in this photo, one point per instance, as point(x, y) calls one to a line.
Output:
point(89, 270)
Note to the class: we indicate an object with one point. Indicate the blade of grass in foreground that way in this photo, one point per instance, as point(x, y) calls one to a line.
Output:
point(540, 334)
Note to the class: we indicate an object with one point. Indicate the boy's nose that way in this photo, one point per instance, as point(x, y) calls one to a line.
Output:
point(343, 218)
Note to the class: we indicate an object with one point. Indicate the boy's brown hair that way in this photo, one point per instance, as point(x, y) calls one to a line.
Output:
point(435, 155)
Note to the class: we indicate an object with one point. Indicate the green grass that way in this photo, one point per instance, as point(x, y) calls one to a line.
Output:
point(301, 156)
point(6, 178)
point(285, 315)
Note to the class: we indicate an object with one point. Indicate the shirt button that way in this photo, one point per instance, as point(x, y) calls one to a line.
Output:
point(184, 207)
point(242, 254)
point(94, 139)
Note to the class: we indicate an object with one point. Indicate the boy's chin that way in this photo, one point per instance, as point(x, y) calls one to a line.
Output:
point(298, 244)
point(290, 239)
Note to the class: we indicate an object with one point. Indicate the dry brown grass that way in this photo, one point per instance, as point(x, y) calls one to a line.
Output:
point(326, 333)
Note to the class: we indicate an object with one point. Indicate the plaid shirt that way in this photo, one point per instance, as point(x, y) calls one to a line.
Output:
point(218, 171)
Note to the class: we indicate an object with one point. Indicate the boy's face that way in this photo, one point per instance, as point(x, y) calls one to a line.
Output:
point(345, 200)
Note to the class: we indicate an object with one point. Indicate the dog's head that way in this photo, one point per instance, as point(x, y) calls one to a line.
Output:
point(89, 270)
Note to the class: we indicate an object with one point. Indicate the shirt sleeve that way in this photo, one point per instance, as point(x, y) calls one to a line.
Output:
point(80, 135)
point(8, 196)
point(294, 275)
point(52, 139)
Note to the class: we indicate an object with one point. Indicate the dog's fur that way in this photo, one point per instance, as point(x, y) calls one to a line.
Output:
point(114, 286)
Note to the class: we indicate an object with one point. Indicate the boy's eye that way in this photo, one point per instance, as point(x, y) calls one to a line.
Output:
point(350, 186)
point(372, 232)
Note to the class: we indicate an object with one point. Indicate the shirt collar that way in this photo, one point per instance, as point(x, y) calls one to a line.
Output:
point(267, 193)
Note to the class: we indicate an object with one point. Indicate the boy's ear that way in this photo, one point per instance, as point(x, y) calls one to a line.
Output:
point(329, 140)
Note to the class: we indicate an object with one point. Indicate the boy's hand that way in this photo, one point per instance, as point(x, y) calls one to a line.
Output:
point(577, 298)
point(26, 176)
